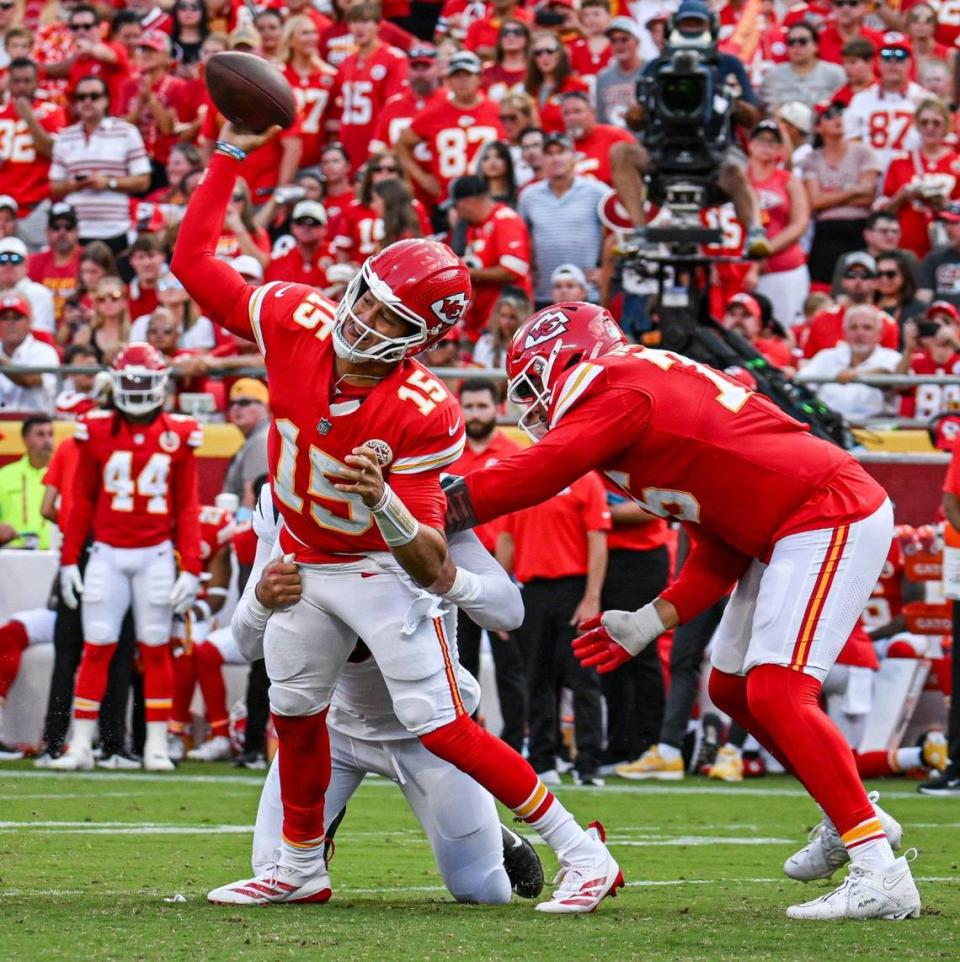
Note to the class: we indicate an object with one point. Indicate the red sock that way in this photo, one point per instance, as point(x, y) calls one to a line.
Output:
point(304, 776)
point(92, 679)
point(184, 680)
point(787, 704)
point(157, 681)
point(13, 640)
point(729, 694)
point(503, 772)
point(875, 764)
point(209, 664)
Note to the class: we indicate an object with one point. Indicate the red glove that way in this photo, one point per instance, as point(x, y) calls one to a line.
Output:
point(596, 649)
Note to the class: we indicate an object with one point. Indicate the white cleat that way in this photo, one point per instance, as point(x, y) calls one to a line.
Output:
point(175, 748)
point(280, 886)
point(157, 760)
point(77, 758)
point(867, 894)
point(583, 886)
point(215, 749)
point(825, 852)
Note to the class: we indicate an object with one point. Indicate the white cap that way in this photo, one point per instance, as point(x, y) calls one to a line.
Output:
point(569, 270)
point(227, 501)
point(7, 201)
point(248, 265)
point(310, 208)
point(798, 115)
point(13, 245)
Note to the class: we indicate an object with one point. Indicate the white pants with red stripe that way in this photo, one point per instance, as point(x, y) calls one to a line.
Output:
point(116, 577)
point(307, 645)
point(799, 609)
point(458, 816)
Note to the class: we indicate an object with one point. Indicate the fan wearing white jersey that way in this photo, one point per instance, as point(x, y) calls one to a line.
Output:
point(478, 858)
point(882, 114)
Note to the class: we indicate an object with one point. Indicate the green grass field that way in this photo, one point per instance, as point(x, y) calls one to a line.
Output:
point(87, 861)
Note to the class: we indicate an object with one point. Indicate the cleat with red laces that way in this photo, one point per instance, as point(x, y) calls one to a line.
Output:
point(279, 886)
point(585, 884)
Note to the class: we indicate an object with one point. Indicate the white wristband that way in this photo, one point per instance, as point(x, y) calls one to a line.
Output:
point(634, 630)
point(395, 522)
point(466, 588)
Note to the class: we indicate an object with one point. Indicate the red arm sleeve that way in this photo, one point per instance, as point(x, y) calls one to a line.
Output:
point(587, 437)
point(710, 571)
point(86, 482)
point(221, 292)
point(422, 495)
point(186, 508)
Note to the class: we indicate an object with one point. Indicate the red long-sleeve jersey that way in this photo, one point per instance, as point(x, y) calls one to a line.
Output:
point(686, 442)
point(136, 485)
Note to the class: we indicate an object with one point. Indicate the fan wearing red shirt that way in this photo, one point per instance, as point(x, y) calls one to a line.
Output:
point(25, 170)
point(365, 81)
point(931, 346)
point(136, 492)
point(486, 445)
point(94, 57)
point(338, 187)
point(57, 266)
point(562, 577)
point(154, 101)
point(455, 128)
point(497, 251)
point(337, 42)
point(482, 34)
point(550, 64)
point(857, 286)
point(306, 263)
point(591, 53)
point(592, 141)
point(794, 521)
point(847, 25)
point(919, 183)
point(743, 315)
point(313, 83)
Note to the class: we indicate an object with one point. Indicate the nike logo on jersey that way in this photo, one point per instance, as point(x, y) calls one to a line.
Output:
point(453, 430)
point(283, 290)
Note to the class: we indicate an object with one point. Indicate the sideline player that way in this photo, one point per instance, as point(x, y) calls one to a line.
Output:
point(795, 521)
point(349, 402)
point(136, 487)
point(194, 658)
point(470, 846)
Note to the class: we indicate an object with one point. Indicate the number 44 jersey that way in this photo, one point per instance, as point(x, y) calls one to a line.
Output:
point(409, 419)
point(136, 485)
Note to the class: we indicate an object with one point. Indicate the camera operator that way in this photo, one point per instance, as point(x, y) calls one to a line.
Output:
point(695, 29)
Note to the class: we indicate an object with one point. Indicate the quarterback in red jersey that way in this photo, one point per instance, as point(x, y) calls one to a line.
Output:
point(360, 434)
point(135, 489)
point(796, 521)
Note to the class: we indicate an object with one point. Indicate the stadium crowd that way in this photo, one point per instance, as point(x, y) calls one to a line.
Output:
point(491, 127)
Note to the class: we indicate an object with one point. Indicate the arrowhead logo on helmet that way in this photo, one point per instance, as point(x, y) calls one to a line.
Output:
point(550, 325)
point(449, 310)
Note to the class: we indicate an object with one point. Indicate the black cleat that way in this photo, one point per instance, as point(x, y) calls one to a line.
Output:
point(522, 865)
point(9, 753)
point(947, 785)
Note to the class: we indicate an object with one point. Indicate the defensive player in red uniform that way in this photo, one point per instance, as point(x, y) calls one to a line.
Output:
point(135, 488)
point(349, 406)
point(793, 519)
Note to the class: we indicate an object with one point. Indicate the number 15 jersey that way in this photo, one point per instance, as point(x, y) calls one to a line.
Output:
point(409, 418)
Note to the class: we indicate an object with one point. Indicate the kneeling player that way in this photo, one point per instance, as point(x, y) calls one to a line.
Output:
point(478, 858)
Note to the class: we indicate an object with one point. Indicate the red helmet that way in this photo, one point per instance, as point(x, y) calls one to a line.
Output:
point(421, 281)
point(550, 343)
point(139, 374)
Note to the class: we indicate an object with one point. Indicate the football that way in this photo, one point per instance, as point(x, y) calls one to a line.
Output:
point(251, 93)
